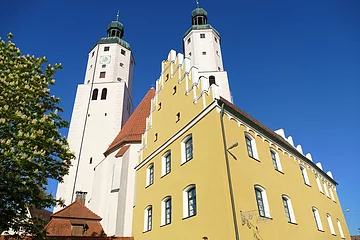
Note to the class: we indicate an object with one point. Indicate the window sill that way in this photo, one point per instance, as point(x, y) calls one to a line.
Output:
point(322, 193)
point(165, 174)
point(279, 171)
point(308, 185)
point(254, 159)
point(293, 223)
point(146, 231)
point(269, 218)
point(149, 185)
point(188, 217)
point(186, 162)
point(334, 234)
point(320, 230)
point(165, 224)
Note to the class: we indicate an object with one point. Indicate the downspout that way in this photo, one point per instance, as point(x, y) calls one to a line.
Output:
point(229, 174)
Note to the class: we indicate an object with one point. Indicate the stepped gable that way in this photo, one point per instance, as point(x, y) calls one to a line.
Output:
point(135, 125)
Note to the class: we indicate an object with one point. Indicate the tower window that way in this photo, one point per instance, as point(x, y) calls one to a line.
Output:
point(189, 40)
point(178, 117)
point(92, 54)
point(219, 69)
point(217, 53)
point(123, 52)
point(216, 40)
point(202, 35)
point(189, 54)
point(90, 162)
point(102, 74)
point(103, 93)
point(121, 64)
point(103, 66)
point(212, 80)
point(203, 53)
point(95, 94)
point(106, 49)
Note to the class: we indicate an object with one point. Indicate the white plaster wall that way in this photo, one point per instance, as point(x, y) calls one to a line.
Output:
point(221, 79)
point(113, 192)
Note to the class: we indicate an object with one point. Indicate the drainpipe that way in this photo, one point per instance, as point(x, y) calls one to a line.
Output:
point(229, 174)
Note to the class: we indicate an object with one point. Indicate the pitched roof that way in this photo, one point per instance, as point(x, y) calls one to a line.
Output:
point(122, 151)
point(276, 137)
point(135, 125)
point(76, 210)
point(40, 213)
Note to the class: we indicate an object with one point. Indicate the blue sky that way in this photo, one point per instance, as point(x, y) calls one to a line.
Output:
point(291, 64)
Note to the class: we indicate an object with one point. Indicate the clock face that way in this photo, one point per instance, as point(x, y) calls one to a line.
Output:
point(105, 59)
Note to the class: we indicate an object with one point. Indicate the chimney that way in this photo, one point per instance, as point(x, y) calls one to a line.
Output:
point(80, 196)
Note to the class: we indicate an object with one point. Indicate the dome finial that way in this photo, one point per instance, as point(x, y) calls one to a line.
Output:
point(197, 4)
point(118, 15)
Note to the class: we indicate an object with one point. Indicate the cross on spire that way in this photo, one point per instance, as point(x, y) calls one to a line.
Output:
point(117, 15)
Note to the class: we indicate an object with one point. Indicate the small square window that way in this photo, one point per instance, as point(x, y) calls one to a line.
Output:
point(103, 66)
point(203, 53)
point(219, 69)
point(123, 52)
point(106, 49)
point(202, 35)
point(102, 74)
point(189, 40)
point(217, 53)
point(121, 64)
point(216, 40)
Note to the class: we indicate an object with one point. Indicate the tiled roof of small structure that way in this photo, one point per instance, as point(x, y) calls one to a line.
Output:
point(63, 227)
point(122, 151)
point(135, 125)
point(76, 210)
point(40, 213)
point(269, 133)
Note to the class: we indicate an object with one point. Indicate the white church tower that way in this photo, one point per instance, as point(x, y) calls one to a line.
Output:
point(202, 45)
point(102, 106)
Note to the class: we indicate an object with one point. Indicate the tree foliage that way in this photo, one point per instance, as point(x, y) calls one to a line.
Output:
point(31, 148)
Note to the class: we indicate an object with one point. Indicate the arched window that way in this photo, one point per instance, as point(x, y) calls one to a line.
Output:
point(262, 202)
point(148, 218)
point(304, 175)
point(317, 219)
point(166, 207)
point(319, 184)
point(103, 93)
point(340, 228)
point(212, 80)
point(251, 146)
point(289, 211)
point(189, 201)
point(326, 189)
point(150, 175)
point(332, 230)
point(275, 160)
point(166, 163)
point(332, 194)
point(187, 148)
point(95, 94)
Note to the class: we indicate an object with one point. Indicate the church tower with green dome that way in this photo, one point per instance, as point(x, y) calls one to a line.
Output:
point(102, 106)
point(202, 46)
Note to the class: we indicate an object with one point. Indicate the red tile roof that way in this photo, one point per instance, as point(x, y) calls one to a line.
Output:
point(122, 151)
point(76, 210)
point(135, 126)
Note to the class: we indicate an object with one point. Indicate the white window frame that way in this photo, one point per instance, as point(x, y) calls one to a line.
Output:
point(264, 199)
point(163, 163)
point(331, 226)
point(326, 189)
point(183, 148)
point(186, 201)
point(340, 229)
point(319, 184)
point(148, 176)
point(253, 146)
point(317, 219)
point(148, 227)
point(305, 175)
point(163, 211)
point(277, 159)
point(332, 194)
point(290, 208)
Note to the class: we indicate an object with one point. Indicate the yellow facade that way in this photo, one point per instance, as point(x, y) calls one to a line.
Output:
point(199, 109)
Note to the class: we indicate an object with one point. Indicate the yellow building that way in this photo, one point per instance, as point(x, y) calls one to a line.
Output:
point(208, 170)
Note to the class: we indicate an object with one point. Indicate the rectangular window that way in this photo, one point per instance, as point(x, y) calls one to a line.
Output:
point(249, 147)
point(192, 202)
point(319, 184)
point(151, 175)
point(202, 35)
point(189, 40)
point(260, 202)
point(121, 64)
point(273, 157)
point(216, 40)
point(103, 66)
point(106, 49)
point(168, 211)
point(149, 219)
point(168, 164)
point(203, 53)
point(287, 211)
point(189, 149)
point(102, 74)
point(92, 54)
point(123, 52)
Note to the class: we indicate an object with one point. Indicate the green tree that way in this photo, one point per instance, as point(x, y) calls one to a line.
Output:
point(31, 148)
